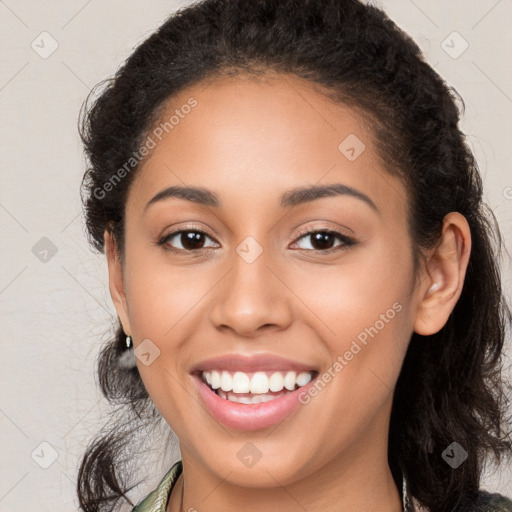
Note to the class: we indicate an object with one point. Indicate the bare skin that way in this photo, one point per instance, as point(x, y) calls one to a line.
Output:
point(249, 143)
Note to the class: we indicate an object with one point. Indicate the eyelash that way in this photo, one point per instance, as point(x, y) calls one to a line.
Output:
point(346, 240)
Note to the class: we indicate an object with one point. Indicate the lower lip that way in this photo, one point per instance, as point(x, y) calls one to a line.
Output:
point(249, 416)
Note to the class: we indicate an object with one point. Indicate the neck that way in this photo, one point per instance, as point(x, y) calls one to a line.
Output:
point(356, 481)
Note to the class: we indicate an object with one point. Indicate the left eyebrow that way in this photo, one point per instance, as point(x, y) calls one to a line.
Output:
point(303, 195)
point(292, 197)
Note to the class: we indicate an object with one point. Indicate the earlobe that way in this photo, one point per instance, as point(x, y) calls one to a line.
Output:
point(443, 277)
point(116, 280)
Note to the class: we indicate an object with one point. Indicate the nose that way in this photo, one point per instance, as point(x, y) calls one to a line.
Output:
point(251, 298)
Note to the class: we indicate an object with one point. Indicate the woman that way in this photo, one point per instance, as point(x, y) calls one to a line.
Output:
point(304, 272)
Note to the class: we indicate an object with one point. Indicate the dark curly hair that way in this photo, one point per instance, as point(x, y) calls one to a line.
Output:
point(451, 385)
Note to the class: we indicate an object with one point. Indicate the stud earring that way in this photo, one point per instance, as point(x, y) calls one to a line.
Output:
point(434, 287)
point(126, 358)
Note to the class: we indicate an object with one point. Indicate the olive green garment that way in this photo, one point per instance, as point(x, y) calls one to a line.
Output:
point(156, 500)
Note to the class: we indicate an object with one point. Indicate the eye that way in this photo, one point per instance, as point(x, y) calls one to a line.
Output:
point(189, 239)
point(193, 240)
point(323, 239)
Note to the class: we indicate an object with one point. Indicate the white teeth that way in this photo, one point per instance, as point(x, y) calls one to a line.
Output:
point(241, 383)
point(215, 380)
point(226, 382)
point(303, 378)
point(258, 383)
point(256, 399)
point(276, 382)
point(289, 381)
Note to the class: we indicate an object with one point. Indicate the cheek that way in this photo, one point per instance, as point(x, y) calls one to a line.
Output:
point(362, 312)
point(164, 301)
point(359, 291)
point(162, 295)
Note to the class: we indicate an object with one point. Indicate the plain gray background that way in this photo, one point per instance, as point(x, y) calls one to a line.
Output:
point(54, 299)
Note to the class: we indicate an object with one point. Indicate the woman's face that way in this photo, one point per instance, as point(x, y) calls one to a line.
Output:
point(262, 281)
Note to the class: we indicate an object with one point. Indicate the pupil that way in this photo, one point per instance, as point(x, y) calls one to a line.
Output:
point(322, 239)
point(190, 240)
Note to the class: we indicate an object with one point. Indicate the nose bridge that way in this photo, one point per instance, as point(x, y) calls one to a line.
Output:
point(250, 296)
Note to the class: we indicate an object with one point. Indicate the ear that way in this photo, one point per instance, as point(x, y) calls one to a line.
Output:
point(116, 280)
point(443, 277)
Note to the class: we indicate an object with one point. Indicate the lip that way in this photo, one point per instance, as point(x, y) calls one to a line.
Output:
point(249, 416)
point(248, 364)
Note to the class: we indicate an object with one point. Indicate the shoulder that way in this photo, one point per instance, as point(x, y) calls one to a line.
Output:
point(156, 500)
point(485, 502)
point(492, 502)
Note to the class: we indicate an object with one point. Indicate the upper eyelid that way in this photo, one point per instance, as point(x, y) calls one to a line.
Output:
point(316, 229)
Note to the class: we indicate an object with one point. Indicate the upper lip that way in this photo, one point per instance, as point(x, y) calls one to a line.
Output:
point(244, 363)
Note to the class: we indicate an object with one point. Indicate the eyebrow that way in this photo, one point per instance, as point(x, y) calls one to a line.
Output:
point(294, 197)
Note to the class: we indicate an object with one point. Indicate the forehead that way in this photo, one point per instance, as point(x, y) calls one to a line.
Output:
point(249, 139)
